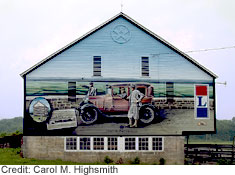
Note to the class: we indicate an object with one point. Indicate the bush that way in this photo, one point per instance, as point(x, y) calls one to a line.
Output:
point(136, 161)
point(162, 161)
point(223, 162)
point(120, 161)
point(107, 160)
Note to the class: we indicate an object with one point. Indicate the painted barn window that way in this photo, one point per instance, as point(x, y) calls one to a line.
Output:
point(130, 143)
point(143, 143)
point(112, 143)
point(98, 143)
point(85, 143)
point(145, 66)
point(97, 66)
point(157, 143)
point(170, 91)
point(71, 143)
point(72, 91)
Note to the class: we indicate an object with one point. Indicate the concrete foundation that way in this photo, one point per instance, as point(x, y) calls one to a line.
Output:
point(52, 148)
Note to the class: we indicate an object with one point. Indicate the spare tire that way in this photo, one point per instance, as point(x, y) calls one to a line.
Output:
point(89, 114)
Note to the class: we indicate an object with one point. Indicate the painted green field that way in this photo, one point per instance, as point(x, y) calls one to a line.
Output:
point(41, 88)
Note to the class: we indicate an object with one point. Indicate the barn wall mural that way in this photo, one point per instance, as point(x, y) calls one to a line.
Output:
point(120, 79)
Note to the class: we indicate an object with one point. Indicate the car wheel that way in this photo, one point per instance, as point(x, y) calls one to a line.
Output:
point(146, 114)
point(89, 115)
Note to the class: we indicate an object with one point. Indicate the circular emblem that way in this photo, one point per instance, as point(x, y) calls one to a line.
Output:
point(121, 34)
point(39, 109)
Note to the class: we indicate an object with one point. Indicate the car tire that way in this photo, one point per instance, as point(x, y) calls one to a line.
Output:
point(89, 115)
point(146, 114)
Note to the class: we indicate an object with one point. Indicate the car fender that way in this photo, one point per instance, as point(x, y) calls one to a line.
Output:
point(152, 106)
point(148, 105)
point(88, 105)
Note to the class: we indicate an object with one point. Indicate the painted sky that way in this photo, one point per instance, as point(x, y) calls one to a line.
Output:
point(32, 30)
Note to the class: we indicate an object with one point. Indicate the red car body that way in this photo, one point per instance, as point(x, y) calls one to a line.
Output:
point(115, 103)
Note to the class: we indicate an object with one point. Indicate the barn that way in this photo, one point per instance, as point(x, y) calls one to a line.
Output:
point(87, 87)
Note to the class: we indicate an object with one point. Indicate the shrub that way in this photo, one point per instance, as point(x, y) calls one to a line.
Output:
point(162, 161)
point(223, 161)
point(120, 161)
point(136, 161)
point(107, 160)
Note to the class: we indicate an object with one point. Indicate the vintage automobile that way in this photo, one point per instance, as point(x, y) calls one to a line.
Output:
point(115, 103)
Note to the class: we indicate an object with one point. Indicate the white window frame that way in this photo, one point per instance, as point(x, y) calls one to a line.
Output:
point(120, 144)
point(91, 144)
point(65, 144)
point(148, 143)
point(124, 144)
point(162, 144)
point(100, 142)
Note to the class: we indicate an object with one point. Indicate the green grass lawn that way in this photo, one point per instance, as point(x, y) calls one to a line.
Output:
point(211, 142)
point(11, 156)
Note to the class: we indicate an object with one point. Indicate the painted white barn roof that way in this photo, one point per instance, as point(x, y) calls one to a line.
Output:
point(121, 14)
point(39, 104)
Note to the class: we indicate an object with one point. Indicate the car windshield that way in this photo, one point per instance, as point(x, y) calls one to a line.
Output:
point(142, 90)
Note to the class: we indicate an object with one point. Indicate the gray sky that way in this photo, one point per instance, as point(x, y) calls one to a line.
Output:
point(31, 30)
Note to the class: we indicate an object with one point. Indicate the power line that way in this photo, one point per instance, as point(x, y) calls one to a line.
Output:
point(201, 50)
point(205, 50)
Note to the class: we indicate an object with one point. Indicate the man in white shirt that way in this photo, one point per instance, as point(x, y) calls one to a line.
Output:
point(92, 90)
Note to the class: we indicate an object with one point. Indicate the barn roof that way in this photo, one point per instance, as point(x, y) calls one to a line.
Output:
point(121, 14)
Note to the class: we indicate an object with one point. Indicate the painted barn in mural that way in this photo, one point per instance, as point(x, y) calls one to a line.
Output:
point(85, 88)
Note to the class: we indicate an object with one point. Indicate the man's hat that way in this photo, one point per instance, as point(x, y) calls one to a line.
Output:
point(133, 85)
